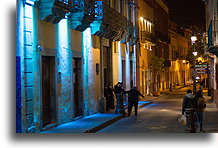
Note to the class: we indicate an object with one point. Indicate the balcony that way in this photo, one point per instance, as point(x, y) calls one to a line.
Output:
point(82, 14)
point(79, 12)
point(146, 36)
point(53, 10)
point(108, 22)
point(213, 33)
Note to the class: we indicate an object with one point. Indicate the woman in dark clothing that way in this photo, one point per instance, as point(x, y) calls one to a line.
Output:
point(200, 108)
point(118, 90)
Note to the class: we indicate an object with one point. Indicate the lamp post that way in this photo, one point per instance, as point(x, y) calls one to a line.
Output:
point(193, 39)
point(184, 62)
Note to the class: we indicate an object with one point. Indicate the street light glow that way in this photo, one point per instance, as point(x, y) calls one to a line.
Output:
point(195, 53)
point(199, 58)
point(193, 39)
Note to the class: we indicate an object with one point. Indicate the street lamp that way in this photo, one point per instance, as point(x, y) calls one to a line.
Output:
point(193, 39)
point(184, 62)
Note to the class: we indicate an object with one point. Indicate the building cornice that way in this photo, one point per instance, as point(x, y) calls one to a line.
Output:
point(161, 3)
point(176, 35)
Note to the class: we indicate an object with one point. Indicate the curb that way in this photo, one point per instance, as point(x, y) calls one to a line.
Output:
point(103, 125)
point(107, 123)
point(145, 104)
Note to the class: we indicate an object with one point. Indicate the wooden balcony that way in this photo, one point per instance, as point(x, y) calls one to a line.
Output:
point(146, 36)
point(82, 14)
point(108, 22)
point(53, 10)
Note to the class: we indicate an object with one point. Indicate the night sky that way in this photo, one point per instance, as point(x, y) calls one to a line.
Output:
point(187, 12)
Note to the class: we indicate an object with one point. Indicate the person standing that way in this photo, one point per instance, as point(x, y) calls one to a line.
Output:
point(200, 108)
point(107, 97)
point(111, 96)
point(133, 100)
point(118, 90)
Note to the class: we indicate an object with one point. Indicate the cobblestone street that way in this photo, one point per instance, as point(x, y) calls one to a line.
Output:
point(162, 117)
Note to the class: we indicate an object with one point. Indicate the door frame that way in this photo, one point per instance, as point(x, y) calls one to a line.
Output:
point(73, 59)
point(53, 53)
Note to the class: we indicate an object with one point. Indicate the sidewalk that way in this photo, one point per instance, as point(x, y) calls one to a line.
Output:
point(92, 123)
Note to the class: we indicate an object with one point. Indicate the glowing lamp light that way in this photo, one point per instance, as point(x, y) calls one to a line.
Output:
point(30, 2)
point(183, 61)
point(195, 53)
point(199, 58)
point(193, 39)
point(141, 18)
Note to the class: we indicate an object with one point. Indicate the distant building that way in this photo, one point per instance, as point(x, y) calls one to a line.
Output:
point(180, 46)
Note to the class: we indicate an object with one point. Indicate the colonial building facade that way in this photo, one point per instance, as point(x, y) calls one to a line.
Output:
point(147, 44)
point(66, 51)
point(211, 11)
point(180, 47)
point(154, 43)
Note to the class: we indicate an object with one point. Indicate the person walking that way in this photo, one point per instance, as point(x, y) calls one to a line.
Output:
point(200, 108)
point(118, 90)
point(133, 100)
point(188, 108)
point(188, 101)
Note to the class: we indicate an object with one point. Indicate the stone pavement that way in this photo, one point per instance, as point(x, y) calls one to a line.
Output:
point(210, 122)
point(92, 123)
point(96, 122)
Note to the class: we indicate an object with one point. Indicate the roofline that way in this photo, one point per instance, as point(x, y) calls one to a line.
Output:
point(163, 5)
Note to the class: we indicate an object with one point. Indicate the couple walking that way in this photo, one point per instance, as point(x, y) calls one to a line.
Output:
point(133, 98)
point(196, 102)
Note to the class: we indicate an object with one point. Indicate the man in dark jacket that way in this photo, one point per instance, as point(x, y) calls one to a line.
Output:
point(133, 100)
point(188, 101)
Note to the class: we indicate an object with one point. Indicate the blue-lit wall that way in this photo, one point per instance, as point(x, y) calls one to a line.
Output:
point(127, 59)
point(65, 72)
point(91, 81)
point(19, 44)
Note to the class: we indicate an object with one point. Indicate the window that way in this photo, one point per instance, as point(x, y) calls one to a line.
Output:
point(146, 25)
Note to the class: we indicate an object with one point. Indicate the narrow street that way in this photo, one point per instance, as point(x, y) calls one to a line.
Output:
point(162, 117)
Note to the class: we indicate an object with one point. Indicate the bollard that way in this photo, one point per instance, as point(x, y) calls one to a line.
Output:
point(190, 120)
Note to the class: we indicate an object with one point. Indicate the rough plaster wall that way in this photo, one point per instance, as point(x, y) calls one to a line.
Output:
point(76, 40)
point(117, 71)
point(47, 35)
point(143, 63)
point(29, 70)
point(94, 81)
point(64, 55)
point(127, 58)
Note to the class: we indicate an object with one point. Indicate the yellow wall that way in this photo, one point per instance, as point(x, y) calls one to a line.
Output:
point(76, 40)
point(178, 69)
point(47, 35)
